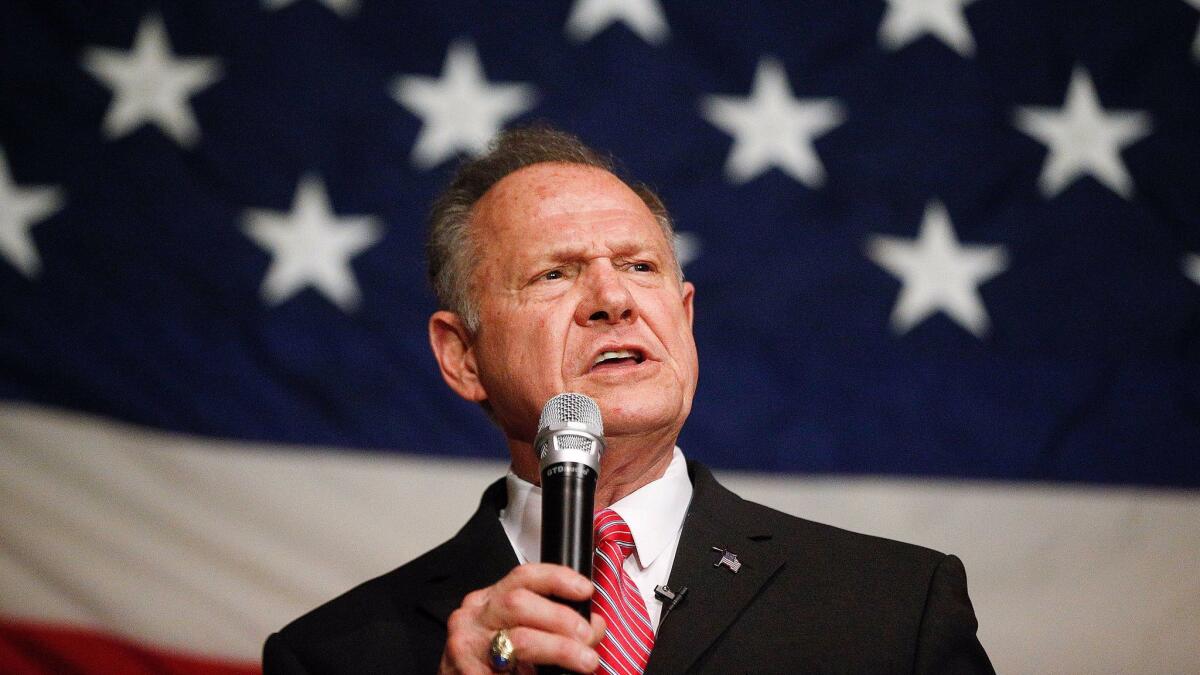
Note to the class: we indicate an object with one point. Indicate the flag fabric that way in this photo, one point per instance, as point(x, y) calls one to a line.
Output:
point(947, 257)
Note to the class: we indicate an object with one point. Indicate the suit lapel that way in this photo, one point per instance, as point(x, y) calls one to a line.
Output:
point(715, 595)
point(478, 556)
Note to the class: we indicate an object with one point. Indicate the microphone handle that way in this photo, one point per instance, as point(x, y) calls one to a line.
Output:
point(568, 499)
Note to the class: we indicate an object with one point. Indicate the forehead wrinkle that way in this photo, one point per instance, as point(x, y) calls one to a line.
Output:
point(578, 251)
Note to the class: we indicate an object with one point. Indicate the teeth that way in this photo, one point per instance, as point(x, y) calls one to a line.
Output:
point(623, 354)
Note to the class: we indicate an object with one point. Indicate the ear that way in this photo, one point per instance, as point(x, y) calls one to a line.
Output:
point(689, 294)
point(451, 343)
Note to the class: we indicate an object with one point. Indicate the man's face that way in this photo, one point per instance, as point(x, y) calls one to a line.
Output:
point(577, 291)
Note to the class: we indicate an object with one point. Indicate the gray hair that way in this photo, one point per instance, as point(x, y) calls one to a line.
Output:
point(450, 249)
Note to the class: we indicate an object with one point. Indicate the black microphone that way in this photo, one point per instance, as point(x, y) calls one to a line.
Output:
point(569, 443)
point(669, 599)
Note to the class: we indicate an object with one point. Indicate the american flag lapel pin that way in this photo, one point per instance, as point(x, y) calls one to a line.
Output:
point(728, 559)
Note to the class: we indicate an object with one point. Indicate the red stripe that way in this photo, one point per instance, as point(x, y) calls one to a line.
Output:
point(626, 647)
point(617, 643)
point(28, 648)
point(628, 601)
point(608, 578)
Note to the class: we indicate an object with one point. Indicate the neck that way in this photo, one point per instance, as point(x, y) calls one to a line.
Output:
point(629, 462)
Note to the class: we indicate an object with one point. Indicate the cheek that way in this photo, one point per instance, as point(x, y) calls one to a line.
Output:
point(667, 318)
point(676, 333)
point(536, 342)
point(530, 342)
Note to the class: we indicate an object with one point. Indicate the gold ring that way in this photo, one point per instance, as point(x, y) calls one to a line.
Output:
point(501, 656)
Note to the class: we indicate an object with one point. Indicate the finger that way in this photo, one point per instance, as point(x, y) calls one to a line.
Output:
point(464, 650)
point(523, 607)
point(475, 598)
point(549, 579)
point(535, 646)
point(598, 627)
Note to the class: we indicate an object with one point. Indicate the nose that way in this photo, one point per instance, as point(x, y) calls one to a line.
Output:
point(606, 299)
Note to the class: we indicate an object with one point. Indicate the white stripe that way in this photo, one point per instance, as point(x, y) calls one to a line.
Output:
point(604, 664)
point(604, 528)
point(609, 605)
point(621, 584)
point(613, 602)
point(625, 608)
point(1068, 579)
point(637, 610)
point(206, 546)
point(612, 639)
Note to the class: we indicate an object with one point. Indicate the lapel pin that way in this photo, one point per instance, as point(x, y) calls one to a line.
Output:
point(728, 559)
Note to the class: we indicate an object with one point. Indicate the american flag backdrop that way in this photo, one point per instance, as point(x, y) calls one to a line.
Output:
point(947, 255)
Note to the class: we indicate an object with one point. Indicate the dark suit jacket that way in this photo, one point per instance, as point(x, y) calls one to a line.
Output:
point(809, 598)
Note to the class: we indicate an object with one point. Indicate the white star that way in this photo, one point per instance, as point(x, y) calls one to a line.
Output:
point(907, 20)
point(20, 209)
point(461, 111)
point(687, 247)
point(1083, 138)
point(150, 85)
point(644, 17)
point(1191, 267)
point(938, 273)
point(1196, 42)
point(771, 128)
point(311, 246)
point(343, 8)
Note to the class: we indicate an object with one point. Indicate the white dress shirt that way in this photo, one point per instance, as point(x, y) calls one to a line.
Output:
point(654, 514)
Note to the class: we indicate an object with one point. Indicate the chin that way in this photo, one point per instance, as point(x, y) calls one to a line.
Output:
point(624, 417)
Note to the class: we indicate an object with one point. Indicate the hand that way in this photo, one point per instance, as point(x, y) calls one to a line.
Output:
point(544, 632)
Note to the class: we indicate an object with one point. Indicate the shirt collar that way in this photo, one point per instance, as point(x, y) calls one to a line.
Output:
point(653, 512)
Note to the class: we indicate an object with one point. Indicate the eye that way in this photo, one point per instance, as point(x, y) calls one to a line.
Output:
point(552, 275)
point(642, 267)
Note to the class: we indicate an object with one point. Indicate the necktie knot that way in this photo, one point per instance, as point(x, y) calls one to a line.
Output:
point(610, 530)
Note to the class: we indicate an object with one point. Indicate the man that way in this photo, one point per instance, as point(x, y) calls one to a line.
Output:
point(554, 275)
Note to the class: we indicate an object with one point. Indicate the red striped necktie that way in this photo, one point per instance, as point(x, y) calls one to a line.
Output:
point(625, 649)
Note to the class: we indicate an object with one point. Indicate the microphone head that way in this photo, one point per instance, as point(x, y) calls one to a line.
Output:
point(572, 407)
point(570, 430)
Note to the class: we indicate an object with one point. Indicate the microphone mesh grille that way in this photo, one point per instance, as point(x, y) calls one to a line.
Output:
point(572, 407)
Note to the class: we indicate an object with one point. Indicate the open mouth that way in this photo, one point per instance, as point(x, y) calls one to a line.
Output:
point(618, 358)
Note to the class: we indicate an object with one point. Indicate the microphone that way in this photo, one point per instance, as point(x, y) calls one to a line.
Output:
point(669, 599)
point(569, 443)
